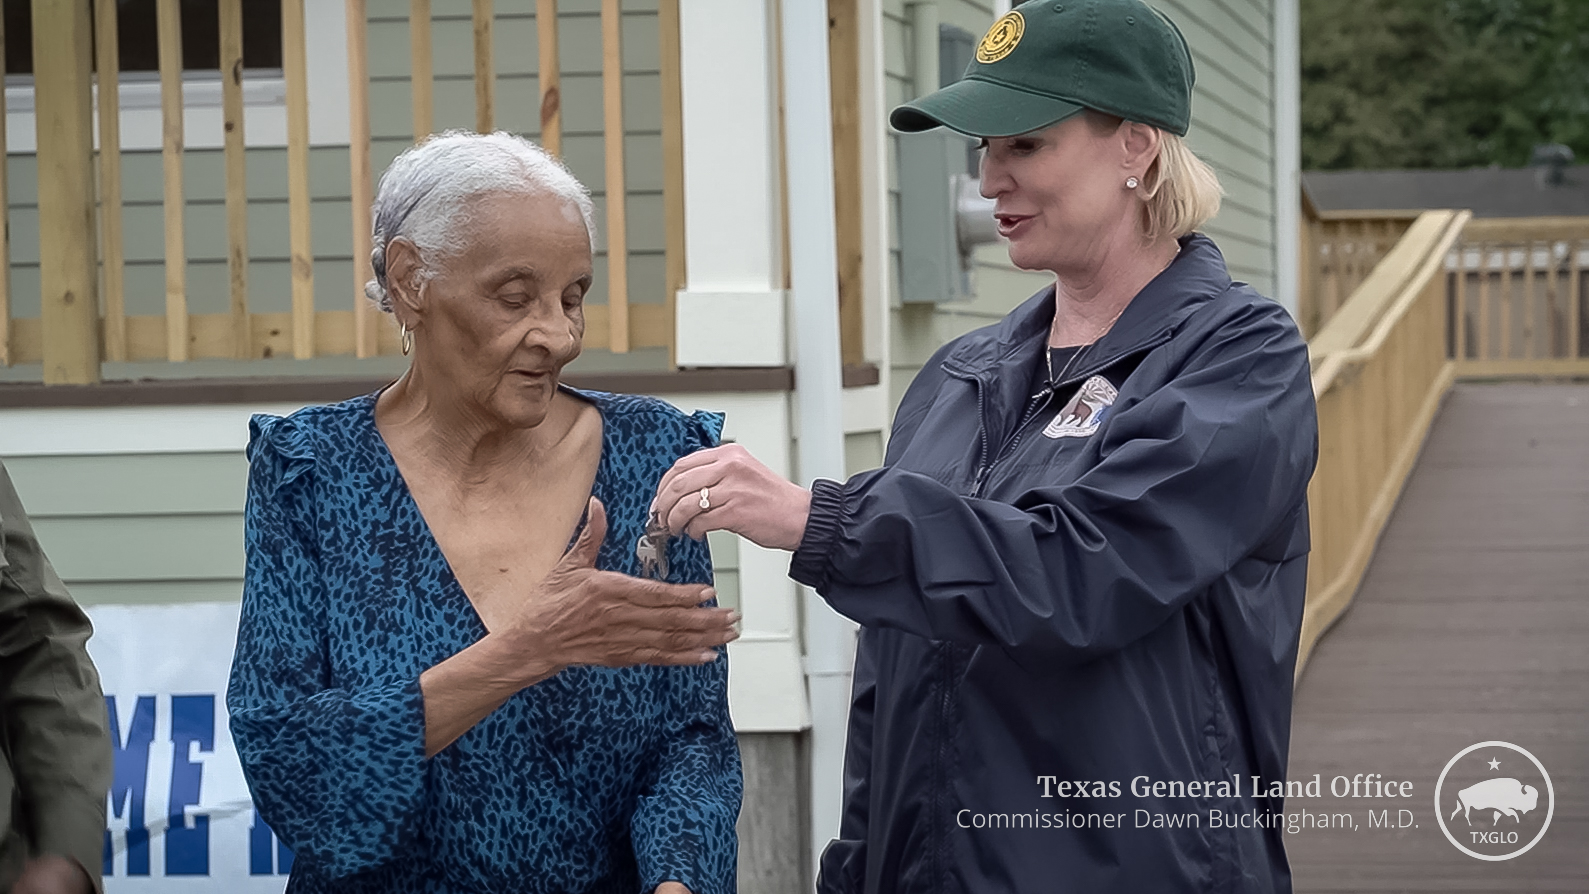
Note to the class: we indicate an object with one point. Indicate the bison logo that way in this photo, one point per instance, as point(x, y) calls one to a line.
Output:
point(1501, 815)
point(1084, 413)
point(1504, 795)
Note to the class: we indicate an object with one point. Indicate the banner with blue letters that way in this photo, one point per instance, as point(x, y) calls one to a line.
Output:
point(180, 818)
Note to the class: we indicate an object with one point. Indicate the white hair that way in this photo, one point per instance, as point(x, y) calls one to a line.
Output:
point(426, 194)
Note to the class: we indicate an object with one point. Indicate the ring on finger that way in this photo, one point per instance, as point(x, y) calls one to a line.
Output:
point(706, 500)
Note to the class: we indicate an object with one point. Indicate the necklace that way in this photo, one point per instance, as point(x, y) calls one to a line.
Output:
point(1048, 352)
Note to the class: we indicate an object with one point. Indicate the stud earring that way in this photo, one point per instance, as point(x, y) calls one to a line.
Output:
point(405, 339)
point(1131, 183)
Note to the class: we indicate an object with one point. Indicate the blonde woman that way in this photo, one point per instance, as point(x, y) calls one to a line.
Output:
point(1080, 573)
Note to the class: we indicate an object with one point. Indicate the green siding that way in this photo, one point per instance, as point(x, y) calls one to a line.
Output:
point(862, 451)
point(516, 55)
point(131, 484)
point(517, 109)
point(1232, 129)
point(158, 528)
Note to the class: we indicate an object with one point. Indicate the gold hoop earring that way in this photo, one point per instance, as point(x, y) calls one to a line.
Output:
point(405, 338)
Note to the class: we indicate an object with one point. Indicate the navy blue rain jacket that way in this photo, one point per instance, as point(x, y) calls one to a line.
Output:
point(1073, 616)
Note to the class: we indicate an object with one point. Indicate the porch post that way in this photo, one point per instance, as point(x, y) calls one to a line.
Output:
point(68, 239)
point(731, 309)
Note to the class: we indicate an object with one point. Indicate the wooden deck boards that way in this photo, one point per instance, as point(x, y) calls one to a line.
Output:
point(1472, 624)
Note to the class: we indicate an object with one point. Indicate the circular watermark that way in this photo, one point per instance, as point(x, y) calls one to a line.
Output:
point(1498, 796)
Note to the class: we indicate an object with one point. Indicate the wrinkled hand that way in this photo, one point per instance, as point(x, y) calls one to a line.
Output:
point(53, 874)
point(588, 617)
point(746, 497)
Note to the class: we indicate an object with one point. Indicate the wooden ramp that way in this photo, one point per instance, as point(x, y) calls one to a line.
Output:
point(1472, 624)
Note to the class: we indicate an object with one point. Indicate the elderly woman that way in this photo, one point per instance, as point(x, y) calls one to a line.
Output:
point(439, 685)
point(1080, 574)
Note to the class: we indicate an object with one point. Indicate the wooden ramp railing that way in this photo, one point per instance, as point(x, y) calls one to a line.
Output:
point(81, 263)
point(1453, 298)
point(1517, 297)
point(1380, 368)
point(1338, 251)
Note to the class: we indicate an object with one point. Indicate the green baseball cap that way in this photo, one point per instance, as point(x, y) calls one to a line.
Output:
point(1046, 60)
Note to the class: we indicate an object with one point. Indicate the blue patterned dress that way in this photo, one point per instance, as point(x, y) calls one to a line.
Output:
point(595, 780)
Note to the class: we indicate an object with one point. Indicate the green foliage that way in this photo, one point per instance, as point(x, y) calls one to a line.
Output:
point(1442, 83)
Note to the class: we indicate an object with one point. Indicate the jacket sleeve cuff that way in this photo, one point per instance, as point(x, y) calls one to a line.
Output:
point(810, 564)
point(74, 828)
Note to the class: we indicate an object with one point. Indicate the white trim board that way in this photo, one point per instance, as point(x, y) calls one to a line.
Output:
point(109, 431)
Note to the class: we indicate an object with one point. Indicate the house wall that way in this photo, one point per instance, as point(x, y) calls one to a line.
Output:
point(517, 109)
point(1232, 129)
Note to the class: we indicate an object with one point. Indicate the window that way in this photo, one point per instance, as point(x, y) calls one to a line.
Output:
point(264, 90)
point(137, 41)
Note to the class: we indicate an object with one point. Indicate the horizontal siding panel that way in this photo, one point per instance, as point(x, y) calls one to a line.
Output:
point(518, 105)
point(579, 44)
point(515, 42)
point(1258, 13)
point(135, 484)
point(896, 89)
point(893, 215)
point(268, 235)
point(155, 592)
point(647, 280)
point(1218, 31)
point(896, 44)
point(1238, 250)
point(564, 7)
point(642, 161)
point(645, 224)
point(862, 451)
point(1244, 99)
point(398, 9)
point(204, 175)
point(582, 103)
point(1233, 157)
point(973, 18)
point(1240, 192)
point(269, 286)
point(174, 547)
point(1246, 142)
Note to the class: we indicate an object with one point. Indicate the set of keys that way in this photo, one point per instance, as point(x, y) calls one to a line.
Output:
point(652, 548)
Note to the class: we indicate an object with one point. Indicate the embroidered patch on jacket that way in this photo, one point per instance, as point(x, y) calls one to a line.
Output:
point(1085, 412)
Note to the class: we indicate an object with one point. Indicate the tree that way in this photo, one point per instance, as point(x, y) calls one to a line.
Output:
point(1442, 83)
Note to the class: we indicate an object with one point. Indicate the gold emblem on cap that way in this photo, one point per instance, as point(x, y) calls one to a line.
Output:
point(1001, 39)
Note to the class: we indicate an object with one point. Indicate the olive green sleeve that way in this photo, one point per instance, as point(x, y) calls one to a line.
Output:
point(51, 706)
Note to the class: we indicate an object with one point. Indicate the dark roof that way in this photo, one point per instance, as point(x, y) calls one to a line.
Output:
point(1489, 192)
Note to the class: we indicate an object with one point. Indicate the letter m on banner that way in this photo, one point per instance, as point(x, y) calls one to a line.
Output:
point(129, 785)
point(262, 843)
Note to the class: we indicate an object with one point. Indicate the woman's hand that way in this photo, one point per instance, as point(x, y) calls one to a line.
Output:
point(744, 496)
point(586, 616)
point(578, 616)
